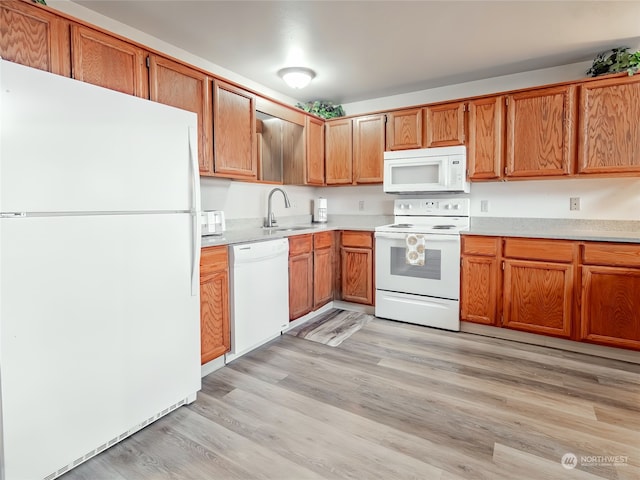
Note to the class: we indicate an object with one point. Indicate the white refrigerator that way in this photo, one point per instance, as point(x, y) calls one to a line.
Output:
point(99, 268)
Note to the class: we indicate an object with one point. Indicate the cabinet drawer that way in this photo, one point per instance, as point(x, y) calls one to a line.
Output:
point(300, 244)
point(357, 239)
point(534, 249)
point(213, 259)
point(614, 254)
point(322, 240)
point(472, 245)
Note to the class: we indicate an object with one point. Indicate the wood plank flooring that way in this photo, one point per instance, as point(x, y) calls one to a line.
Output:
point(395, 401)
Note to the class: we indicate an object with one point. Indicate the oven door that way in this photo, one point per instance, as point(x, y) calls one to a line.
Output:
point(439, 277)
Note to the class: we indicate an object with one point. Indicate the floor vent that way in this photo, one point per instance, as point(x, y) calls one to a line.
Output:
point(115, 440)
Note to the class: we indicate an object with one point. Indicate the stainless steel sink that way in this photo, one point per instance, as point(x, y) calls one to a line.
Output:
point(292, 228)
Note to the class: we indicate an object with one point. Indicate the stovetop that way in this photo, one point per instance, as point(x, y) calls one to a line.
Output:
point(434, 216)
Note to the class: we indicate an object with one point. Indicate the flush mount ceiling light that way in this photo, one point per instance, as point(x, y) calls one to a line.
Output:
point(297, 77)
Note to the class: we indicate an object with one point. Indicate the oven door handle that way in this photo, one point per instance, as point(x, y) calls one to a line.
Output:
point(429, 237)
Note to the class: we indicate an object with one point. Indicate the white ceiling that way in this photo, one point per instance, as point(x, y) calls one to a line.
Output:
point(369, 49)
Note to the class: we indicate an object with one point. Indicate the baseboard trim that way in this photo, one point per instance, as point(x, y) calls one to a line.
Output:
point(559, 343)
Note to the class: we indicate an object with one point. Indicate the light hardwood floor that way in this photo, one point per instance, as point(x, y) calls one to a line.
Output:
point(394, 401)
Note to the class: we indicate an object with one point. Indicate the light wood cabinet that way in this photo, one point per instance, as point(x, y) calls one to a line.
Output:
point(314, 148)
point(445, 125)
point(215, 339)
point(485, 148)
point(610, 301)
point(368, 148)
point(540, 137)
point(109, 62)
point(479, 279)
point(31, 35)
point(539, 279)
point(175, 84)
point(609, 133)
point(323, 268)
point(356, 252)
point(405, 129)
point(234, 132)
point(300, 275)
point(338, 152)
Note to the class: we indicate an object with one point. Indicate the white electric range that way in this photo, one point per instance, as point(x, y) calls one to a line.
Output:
point(429, 293)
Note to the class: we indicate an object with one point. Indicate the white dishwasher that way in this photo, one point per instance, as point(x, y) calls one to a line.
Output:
point(259, 280)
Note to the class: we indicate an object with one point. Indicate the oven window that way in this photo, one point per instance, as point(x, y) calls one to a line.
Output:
point(430, 270)
point(410, 174)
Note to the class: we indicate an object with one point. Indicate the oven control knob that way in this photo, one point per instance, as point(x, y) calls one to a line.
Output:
point(456, 206)
point(447, 206)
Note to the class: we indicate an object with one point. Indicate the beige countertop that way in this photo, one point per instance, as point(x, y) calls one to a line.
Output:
point(244, 232)
point(627, 231)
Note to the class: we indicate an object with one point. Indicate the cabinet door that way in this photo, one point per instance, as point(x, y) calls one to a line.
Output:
point(106, 61)
point(175, 84)
point(368, 148)
point(445, 124)
point(314, 134)
point(338, 152)
point(234, 132)
point(32, 36)
point(485, 144)
point(609, 139)
point(323, 266)
point(215, 338)
point(357, 275)
point(478, 295)
point(300, 285)
point(540, 132)
point(404, 129)
point(538, 297)
point(611, 306)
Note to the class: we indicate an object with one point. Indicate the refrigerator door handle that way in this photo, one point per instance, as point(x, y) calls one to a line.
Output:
point(195, 213)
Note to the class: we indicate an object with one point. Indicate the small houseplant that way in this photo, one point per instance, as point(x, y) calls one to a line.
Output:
point(615, 60)
point(322, 109)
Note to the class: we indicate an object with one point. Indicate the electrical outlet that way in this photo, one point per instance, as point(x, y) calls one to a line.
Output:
point(361, 205)
point(574, 203)
point(484, 206)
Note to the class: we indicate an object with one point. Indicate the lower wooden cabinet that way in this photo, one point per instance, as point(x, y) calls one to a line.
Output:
point(300, 275)
point(215, 337)
point(311, 272)
point(479, 279)
point(356, 252)
point(585, 291)
point(610, 301)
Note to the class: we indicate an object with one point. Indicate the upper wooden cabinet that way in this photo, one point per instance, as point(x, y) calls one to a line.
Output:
point(444, 125)
point(175, 84)
point(32, 36)
point(314, 148)
point(368, 148)
point(338, 152)
point(234, 132)
point(109, 62)
point(404, 129)
point(609, 133)
point(486, 138)
point(540, 132)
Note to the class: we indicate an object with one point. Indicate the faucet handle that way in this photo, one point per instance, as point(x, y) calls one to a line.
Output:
point(272, 221)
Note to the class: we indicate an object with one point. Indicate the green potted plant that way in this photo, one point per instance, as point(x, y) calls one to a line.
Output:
point(615, 60)
point(323, 109)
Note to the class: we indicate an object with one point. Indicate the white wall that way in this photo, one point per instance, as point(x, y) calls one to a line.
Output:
point(249, 200)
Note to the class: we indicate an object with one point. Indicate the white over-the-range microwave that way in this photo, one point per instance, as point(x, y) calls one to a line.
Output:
point(426, 170)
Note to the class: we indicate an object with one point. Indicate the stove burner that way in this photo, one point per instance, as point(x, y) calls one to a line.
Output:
point(443, 227)
point(401, 225)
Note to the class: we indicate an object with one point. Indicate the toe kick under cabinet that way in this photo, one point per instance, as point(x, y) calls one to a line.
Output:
point(581, 291)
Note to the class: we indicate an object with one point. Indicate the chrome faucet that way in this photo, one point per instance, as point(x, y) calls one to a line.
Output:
point(270, 221)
